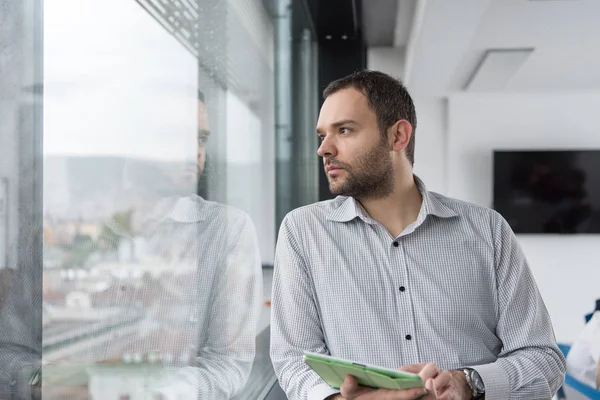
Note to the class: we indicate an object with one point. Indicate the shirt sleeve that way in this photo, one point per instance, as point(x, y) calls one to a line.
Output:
point(225, 359)
point(295, 322)
point(530, 364)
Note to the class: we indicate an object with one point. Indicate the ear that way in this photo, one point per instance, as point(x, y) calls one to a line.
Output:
point(401, 133)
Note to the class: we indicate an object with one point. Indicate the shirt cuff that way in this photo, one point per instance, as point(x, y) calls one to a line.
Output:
point(495, 380)
point(321, 392)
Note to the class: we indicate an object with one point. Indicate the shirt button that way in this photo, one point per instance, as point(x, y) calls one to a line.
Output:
point(396, 244)
point(408, 337)
point(402, 288)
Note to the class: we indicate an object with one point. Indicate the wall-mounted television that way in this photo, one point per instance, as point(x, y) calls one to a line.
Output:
point(548, 191)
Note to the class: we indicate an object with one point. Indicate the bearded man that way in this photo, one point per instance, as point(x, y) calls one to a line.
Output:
point(390, 274)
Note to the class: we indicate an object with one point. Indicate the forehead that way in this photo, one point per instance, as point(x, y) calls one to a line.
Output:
point(203, 123)
point(345, 104)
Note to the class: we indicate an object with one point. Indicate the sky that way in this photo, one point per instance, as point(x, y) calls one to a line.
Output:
point(116, 83)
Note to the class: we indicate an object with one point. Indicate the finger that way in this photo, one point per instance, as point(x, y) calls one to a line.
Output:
point(413, 368)
point(349, 387)
point(448, 393)
point(430, 370)
point(442, 381)
point(407, 394)
point(442, 386)
point(430, 388)
point(351, 390)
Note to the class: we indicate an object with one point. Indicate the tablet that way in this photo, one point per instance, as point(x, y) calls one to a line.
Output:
point(333, 370)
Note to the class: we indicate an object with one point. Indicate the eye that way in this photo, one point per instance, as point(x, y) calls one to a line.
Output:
point(344, 130)
point(321, 137)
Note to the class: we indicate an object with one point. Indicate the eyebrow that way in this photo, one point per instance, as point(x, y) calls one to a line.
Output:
point(340, 123)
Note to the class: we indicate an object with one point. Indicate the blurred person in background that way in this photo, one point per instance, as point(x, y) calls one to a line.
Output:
point(583, 360)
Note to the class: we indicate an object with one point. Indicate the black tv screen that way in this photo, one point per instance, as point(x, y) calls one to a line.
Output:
point(548, 191)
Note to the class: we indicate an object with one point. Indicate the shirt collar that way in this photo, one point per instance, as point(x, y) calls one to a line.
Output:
point(189, 209)
point(349, 208)
point(180, 209)
point(432, 204)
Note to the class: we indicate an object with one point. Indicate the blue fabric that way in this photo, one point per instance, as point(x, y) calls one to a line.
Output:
point(588, 317)
point(588, 391)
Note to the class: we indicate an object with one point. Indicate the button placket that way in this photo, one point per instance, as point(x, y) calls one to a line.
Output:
point(407, 327)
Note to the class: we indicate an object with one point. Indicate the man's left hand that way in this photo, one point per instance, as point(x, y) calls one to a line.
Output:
point(446, 385)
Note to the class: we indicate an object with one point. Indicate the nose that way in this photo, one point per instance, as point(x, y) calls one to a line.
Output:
point(326, 148)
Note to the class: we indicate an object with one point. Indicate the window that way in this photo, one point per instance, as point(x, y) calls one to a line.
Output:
point(151, 207)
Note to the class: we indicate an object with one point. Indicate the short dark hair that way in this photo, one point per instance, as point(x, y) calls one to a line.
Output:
point(386, 96)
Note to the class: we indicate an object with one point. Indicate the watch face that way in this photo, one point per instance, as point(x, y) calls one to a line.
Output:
point(476, 381)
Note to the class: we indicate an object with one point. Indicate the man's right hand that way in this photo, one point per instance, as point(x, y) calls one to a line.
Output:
point(350, 389)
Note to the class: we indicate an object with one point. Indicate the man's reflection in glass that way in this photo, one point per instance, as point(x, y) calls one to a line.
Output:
point(185, 306)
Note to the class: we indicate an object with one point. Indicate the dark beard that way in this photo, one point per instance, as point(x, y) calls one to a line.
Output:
point(370, 177)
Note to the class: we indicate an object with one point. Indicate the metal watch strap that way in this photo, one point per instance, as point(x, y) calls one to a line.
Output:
point(476, 394)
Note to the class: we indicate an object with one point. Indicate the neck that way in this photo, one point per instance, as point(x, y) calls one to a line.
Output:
point(398, 209)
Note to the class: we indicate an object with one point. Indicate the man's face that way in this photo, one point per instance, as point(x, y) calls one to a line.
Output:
point(203, 134)
point(190, 174)
point(356, 157)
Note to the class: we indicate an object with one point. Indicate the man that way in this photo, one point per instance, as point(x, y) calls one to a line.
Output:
point(205, 303)
point(392, 275)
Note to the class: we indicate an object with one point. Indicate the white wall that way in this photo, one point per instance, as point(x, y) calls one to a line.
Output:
point(431, 138)
point(247, 188)
point(386, 59)
point(430, 134)
point(251, 127)
point(567, 268)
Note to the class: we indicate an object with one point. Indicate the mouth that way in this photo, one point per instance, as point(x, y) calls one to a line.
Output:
point(333, 170)
point(189, 172)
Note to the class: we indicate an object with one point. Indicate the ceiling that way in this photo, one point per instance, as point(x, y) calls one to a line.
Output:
point(379, 21)
point(387, 22)
point(503, 45)
point(335, 19)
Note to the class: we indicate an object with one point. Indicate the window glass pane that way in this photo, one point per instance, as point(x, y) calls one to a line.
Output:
point(158, 203)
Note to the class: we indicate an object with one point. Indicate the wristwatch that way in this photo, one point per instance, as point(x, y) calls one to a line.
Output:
point(475, 384)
